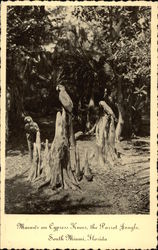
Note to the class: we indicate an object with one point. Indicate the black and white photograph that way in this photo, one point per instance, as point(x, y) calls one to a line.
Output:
point(78, 102)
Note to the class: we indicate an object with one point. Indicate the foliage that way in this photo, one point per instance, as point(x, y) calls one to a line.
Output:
point(123, 38)
point(84, 48)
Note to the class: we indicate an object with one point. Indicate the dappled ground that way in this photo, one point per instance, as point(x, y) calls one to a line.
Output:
point(122, 189)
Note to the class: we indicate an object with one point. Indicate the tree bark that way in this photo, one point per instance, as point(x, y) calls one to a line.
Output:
point(105, 137)
point(59, 174)
point(45, 163)
point(71, 141)
point(120, 123)
point(102, 129)
point(89, 110)
point(35, 156)
point(87, 171)
point(111, 142)
point(34, 170)
point(78, 172)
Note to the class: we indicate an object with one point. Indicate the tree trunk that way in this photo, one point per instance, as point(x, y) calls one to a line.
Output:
point(45, 163)
point(120, 123)
point(105, 140)
point(102, 129)
point(34, 169)
point(111, 142)
point(88, 120)
point(72, 142)
point(38, 146)
point(59, 172)
point(74, 154)
point(78, 172)
point(35, 156)
point(87, 171)
point(17, 107)
point(89, 110)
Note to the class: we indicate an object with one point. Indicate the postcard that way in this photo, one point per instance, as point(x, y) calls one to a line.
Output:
point(78, 125)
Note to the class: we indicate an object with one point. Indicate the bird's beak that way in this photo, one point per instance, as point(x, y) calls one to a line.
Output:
point(57, 88)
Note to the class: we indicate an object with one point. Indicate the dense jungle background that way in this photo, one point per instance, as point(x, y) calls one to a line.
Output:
point(86, 49)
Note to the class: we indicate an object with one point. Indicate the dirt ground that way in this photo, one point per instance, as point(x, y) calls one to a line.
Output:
point(121, 189)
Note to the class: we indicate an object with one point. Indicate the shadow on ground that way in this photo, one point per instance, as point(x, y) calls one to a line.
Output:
point(25, 199)
point(121, 189)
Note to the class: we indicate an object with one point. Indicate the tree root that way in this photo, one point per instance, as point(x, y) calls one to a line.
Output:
point(45, 183)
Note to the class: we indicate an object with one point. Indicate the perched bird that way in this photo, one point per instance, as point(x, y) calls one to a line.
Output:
point(28, 119)
point(67, 104)
point(65, 98)
point(31, 128)
point(33, 138)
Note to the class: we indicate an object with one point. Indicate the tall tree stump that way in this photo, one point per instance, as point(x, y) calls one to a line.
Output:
point(87, 171)
point(71, 140)
point(34, 147)
point(102, 130)
point(69, 131)
point(34, 170)
point(120, 123)
point(111, 141)
point(105, 136)
point(45, 163)
point(60, 173)
point(78, 172)
point(67, 106)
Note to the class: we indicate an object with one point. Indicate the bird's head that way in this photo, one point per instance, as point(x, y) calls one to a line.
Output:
point(60, 87)
point(101, 107)
point(28, 119)
point(101, 103)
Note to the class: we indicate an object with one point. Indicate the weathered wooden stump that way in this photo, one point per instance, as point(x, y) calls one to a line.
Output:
point(102, 131)
point(56, 162)
point(120, 123)
point(87, 171)
point(45, 163)
point(60, 163)
point(34, 147)
point(34, 170)
point(111, 142)
point(105, 136)
point(78, 172)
